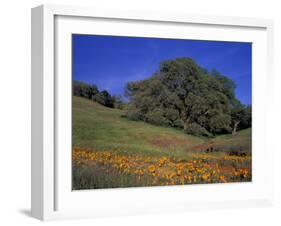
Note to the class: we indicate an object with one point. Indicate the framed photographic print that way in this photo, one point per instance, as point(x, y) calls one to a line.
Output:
point(137, 112)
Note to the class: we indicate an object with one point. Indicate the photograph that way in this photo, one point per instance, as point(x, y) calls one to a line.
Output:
point(152, 111)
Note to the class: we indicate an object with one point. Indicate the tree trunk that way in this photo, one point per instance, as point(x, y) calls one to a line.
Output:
point(235, 127)
point(185, 124)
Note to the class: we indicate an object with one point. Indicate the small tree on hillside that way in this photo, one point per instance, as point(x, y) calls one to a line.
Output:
point(104, 98)
point(241, 116)
point(84, 90)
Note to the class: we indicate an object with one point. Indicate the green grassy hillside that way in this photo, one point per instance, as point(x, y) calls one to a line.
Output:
point(112, 151)
point(100, 128)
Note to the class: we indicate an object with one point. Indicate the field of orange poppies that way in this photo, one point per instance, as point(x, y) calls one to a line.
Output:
point(107, 170)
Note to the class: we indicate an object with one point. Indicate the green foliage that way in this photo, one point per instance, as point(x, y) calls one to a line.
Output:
point(182, 94)
point(220, 123)
point(84, 90)
point(241, 117)
point(197, 130)
point(104, 98)
point(228, 86)
point(156, 116)
point(246, 120)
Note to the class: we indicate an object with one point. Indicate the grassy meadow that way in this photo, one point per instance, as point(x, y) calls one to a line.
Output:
point(110, 151)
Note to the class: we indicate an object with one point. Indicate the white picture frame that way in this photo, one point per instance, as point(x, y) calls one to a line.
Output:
point(52, 197)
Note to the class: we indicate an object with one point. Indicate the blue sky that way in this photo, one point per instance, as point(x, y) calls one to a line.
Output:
point(110, 62)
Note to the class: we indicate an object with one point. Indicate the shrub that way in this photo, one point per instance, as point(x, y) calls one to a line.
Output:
point(134, 114)
point(104, 98)
point(84, 90)
point(197, 130)
point(156, 117)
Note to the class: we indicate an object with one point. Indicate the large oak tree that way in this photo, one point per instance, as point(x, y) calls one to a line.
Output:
point(182, 94)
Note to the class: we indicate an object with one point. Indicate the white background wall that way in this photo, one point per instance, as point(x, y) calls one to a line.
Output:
point(15, 111)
